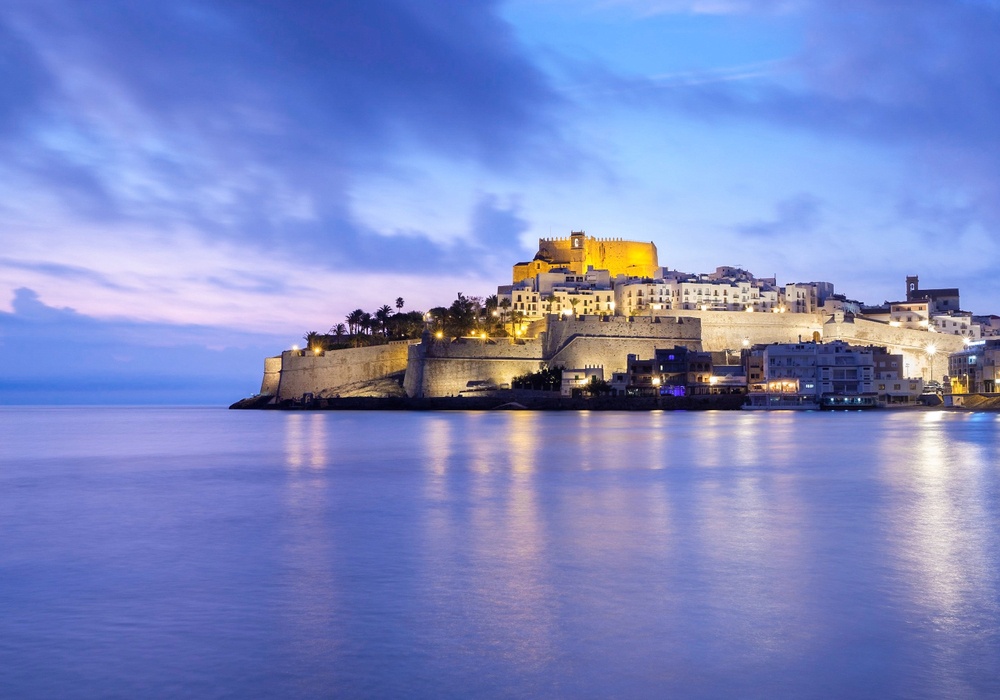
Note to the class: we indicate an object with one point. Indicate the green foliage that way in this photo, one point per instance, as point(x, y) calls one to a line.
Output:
point(598, 387)
point(548, 379)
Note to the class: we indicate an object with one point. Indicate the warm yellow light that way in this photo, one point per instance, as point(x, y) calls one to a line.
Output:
point(931, 349)
point(749, 309)
point(704, 307)
point(611, 305)
point(567, 312)
point(317, 350)
point(656, 381)
point(713, 380)
point(439, 335)
point(894, 324)
point(295, 347)
point(746, 342)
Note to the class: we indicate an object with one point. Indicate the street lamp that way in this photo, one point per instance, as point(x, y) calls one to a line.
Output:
point(931, 351)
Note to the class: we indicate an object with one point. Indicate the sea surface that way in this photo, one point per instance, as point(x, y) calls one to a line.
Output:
point(206, 553)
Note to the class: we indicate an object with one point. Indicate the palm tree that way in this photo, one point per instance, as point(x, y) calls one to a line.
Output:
point(504, 305)
point(339, 330)
point(550, 300)
point(368, 324)
point(399, 304)
point(354, 320)
point(314, 341)
point(573, 301)
point(382, 315)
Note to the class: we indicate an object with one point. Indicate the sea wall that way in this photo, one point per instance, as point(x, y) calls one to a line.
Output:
point(272, 376)
point(322, 375)
point(445, 367)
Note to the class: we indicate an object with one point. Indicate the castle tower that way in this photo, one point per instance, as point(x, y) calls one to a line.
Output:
point(580, 251)
point(912, 286)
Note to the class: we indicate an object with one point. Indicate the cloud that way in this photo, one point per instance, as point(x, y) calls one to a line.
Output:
point(62, 272)
point(63, 356)
point(795, 216)
point(253, 122)
point(707, 7)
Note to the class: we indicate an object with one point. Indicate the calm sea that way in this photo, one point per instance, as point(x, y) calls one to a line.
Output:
point(205, 553)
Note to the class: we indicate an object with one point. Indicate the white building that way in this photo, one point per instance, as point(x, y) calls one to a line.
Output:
point(802, 374)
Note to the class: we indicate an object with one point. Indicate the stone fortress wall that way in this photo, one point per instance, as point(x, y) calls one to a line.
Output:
point(445, 368)
point(298, 372)
point(592, 341)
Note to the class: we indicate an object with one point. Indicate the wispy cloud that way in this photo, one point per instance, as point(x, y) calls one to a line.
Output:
point(796, 216)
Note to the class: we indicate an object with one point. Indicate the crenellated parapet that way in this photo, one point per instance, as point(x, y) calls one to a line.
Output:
point(579, 251)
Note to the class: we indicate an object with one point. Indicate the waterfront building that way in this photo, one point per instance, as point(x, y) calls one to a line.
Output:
point(575, 381)
point(891, 383)
point(802, 374)
point(678, 371)
point(974, 369)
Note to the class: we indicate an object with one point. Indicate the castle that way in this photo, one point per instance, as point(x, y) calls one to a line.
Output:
point(581, 252)
point(586, 302)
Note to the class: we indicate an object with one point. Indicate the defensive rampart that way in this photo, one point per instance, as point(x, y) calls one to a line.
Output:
point(448, 368)
point(302, 372)
point(592, 341)
point(444, 368)
point(727, 330)
point(272, 376)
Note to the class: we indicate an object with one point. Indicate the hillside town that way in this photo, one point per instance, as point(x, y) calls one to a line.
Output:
point(599, 317)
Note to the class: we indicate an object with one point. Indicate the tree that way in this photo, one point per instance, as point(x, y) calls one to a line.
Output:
point(573, 301)
point(314, 341)
point(463, 315)
point(382, 316)
point(547, 379)
point(339, 331)
point(504, 305)
point(598, 387)
point(354, 320)
point(550, 300)
point(399, 304)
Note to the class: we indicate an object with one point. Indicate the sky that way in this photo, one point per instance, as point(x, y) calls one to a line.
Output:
point(188, 187)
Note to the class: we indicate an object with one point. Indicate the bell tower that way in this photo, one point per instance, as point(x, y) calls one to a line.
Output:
point(912, 287)
point(578, 251)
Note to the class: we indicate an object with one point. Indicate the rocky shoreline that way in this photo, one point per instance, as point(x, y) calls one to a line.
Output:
point(500, 401)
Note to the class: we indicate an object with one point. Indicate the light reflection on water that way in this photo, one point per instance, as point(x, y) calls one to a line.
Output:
point(503, 554)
